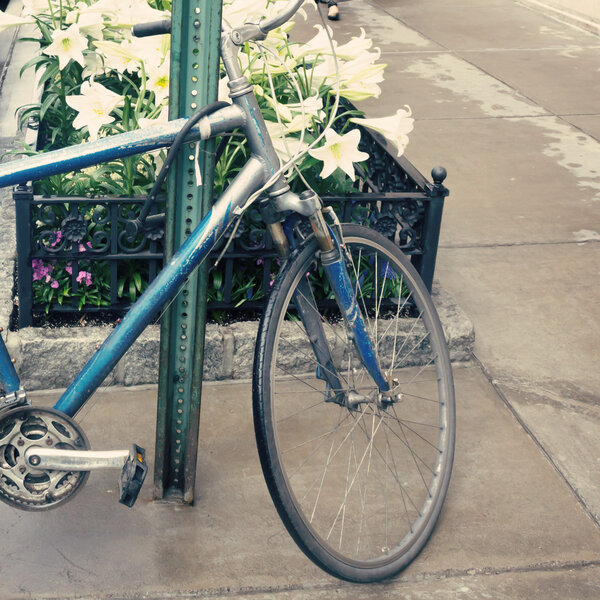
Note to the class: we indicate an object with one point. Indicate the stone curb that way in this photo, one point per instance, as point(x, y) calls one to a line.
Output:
point(51, 358)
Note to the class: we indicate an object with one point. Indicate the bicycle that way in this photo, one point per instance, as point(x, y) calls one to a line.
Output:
point(355, 438)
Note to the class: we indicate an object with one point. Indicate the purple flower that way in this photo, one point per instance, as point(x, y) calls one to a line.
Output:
point(54, 284)
point(386, 271)
point(57, 238)
point(69, 269)
point(40, 270)
point(84, 276)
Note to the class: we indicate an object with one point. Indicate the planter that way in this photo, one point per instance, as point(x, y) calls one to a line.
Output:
point(57, 234)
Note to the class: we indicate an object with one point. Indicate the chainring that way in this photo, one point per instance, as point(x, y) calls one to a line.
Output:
point(23, 486)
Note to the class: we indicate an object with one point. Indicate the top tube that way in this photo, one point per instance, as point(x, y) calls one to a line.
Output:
point(112, 147)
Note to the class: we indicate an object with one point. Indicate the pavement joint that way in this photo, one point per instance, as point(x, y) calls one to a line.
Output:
point(494, 382)
point(518, 244)
point(566, 18)
point(337, 586)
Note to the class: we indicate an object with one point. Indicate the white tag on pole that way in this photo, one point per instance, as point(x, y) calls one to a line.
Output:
point(197, 165)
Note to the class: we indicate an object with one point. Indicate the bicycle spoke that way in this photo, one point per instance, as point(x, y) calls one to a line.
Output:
point(351, 484)
point(408, 445)
point(313, 359)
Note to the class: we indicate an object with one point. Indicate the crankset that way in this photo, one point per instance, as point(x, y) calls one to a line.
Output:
point(45, 460)
point(21, 484)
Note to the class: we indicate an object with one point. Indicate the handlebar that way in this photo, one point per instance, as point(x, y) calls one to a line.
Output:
point(246, 33)
point(153, 28)
point(286, 14)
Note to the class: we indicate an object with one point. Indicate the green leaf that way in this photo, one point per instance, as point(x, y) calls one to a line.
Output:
point(132, 294)
point(36, 60)
point(50, 99)
point(137, 278)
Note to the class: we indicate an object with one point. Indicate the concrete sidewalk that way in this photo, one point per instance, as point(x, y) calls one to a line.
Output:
point(506, 98)
point(510, 528)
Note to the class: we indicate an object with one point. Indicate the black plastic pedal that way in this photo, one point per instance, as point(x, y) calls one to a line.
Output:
point(132, 476)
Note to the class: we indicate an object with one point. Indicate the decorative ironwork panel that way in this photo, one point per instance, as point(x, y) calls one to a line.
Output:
point(82, 247)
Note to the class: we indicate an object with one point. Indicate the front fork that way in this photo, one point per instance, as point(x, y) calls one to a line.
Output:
point(334, 266)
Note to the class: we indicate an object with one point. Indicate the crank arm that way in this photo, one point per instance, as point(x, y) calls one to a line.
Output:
point(55, 459)
point(131, 462)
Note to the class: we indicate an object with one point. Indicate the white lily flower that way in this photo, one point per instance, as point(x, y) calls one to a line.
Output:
point(339, 151)
point(223, 92)
point(255, 65)
point(103, 7)
point(162, 118)
point(284, 113)
point(395, 128)
point(355, 47)
point(238, 12)
point(153, 51)
point(359, 92)
point(364, 69)
point(158, 81)
point(295, 124)
point(94, 105)
point(90, 24)
point(285, 146)
point(132, 12)
point(94, 65)
point(131, 53)
point(126, 13)
point(8, 20)
point(68, 44)
point(118, 56)
point(312, 105)
point(358, 78)
point(35, 7)
point(319, 44)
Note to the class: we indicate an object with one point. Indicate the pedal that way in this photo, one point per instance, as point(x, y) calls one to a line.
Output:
point(132, 476)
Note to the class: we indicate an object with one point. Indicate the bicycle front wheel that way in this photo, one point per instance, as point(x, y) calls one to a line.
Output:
point(358, 483)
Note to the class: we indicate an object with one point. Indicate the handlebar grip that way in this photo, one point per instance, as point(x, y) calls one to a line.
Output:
point(153, 28)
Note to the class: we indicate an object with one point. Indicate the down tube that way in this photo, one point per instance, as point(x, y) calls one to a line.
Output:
point(9, 380)
point(184, 261)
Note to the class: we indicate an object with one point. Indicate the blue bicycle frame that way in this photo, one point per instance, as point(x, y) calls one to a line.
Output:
point(262, 167)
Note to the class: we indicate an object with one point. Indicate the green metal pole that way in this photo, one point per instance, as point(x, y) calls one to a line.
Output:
point(195, 33)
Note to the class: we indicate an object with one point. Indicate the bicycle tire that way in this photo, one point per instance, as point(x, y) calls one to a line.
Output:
point(320, 502)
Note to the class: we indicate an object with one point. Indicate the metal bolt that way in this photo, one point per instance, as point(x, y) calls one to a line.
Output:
point(48, 442)
point(20, 443)
point(34, 460)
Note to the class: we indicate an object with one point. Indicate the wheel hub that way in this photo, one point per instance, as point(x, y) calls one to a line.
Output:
point(21, 484)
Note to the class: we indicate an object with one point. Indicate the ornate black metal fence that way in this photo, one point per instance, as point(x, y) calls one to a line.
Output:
point(74, 254)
